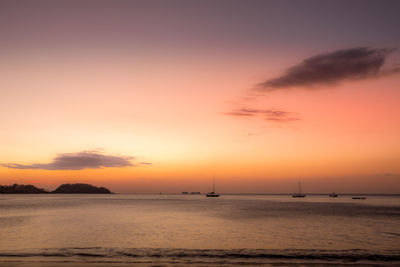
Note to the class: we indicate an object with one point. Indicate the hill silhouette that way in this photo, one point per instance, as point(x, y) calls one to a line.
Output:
point(21, 189)
point(62, 189)
point(80, 189)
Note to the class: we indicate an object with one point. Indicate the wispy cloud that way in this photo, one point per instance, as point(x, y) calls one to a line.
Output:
point(145, 163)
point(93, 159)
point(333, 68)
point(267, 114)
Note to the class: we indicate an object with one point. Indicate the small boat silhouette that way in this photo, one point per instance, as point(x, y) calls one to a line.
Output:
point(299, 194)
point(212, 194)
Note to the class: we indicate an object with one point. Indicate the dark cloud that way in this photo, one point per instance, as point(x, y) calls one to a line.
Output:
point(333, 68)
point(268, 114)
point(80, 160)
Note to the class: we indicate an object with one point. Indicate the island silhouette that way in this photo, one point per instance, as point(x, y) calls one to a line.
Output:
point(78, 188)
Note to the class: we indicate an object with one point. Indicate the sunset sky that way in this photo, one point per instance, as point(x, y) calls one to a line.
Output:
point(160, 96)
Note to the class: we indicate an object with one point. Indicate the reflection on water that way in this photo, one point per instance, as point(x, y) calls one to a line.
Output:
point(240, 226)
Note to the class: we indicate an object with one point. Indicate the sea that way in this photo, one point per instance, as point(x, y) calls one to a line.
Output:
point(193, 230)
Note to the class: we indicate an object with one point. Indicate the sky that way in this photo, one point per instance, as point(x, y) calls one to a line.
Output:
point(161, 96)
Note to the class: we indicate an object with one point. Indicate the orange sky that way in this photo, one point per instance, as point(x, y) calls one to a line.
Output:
point(166, 103)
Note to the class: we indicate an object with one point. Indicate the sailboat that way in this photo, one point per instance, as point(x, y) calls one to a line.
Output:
point(333, 194)
point(299, 194)
point(212, 194)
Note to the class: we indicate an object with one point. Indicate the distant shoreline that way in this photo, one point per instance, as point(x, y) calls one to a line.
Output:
point(81, 188)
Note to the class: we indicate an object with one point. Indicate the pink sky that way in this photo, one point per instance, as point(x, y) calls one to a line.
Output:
point(159, 87)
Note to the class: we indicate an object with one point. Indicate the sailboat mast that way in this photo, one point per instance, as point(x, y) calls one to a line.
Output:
point(214, 185)
point(300, 187)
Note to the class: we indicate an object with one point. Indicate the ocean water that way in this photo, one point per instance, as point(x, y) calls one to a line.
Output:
point(176, 230)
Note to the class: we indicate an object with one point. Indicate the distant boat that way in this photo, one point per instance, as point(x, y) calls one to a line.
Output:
point(212, 194)
point(333, 194)
point(299, 194)
point(359, 198)
point(185, 193)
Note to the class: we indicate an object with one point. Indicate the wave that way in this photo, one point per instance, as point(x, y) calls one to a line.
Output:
point(201, 255)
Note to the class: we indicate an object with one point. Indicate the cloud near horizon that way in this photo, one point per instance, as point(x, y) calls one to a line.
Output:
point(333, 68)
point(268, 114)
point(79, 161)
